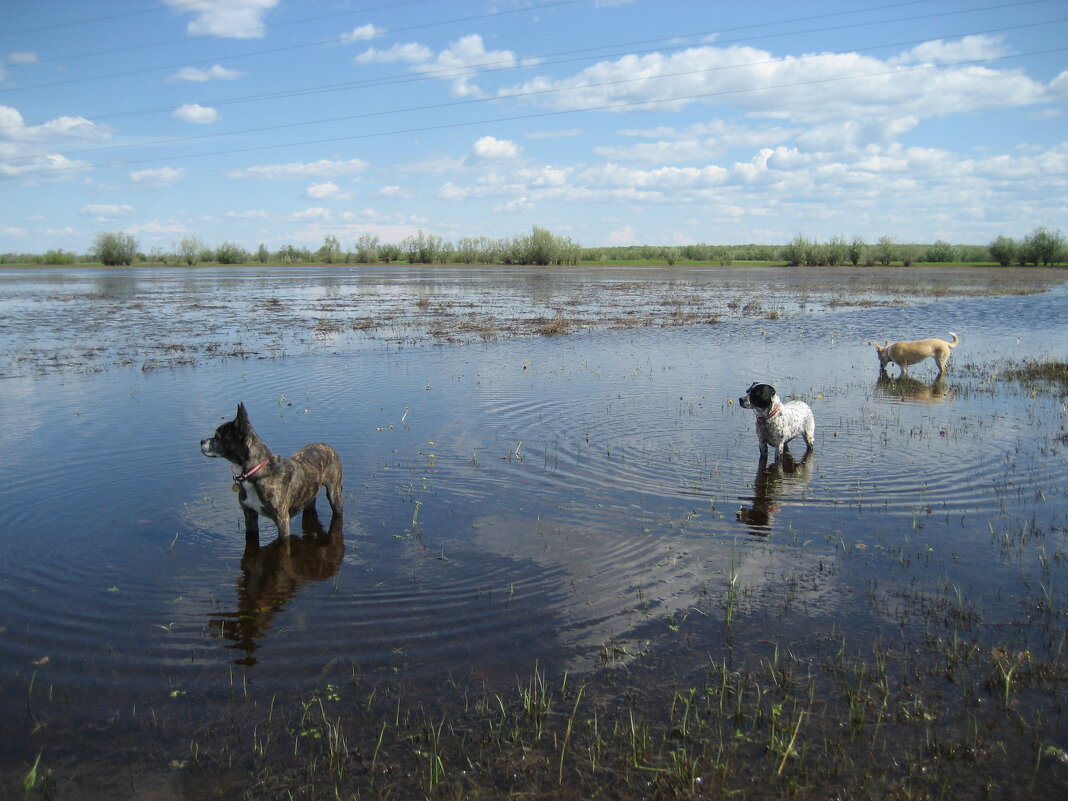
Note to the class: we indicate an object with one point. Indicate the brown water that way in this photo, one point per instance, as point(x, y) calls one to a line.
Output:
point(513, 500)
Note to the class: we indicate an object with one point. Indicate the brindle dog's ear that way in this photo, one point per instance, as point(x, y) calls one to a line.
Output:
point(242, 417)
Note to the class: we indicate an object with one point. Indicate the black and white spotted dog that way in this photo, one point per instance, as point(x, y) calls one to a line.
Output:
point(776, 422)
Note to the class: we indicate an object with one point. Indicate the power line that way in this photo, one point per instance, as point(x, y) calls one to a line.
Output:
point(273, 50)
point(545, 114)
point(106, 18)
point(184, 7)
point(555, 58)
point(455, 20)
point(454, 104)
point(464, 70)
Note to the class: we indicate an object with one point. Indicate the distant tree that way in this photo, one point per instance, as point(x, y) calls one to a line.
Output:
point(1003, 250)
point(288, 254)
point(57, 257)
point(940, 251)
point(856, 250)
point(231, 253)
point(671, 255)
point(1043, 246)
point(835, 251)
point(389, 252)
point(189, 250)
point(330, 252)
point(367, 249)
point(885, 251)
point(115, 248)
point(796, 251)
point(262, 254)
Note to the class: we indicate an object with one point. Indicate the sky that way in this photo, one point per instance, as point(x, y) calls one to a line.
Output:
point(611, 122)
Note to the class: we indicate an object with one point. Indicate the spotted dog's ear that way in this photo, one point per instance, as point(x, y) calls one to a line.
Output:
point(754, 384)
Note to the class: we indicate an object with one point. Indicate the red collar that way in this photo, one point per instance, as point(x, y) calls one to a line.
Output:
point(772, 413)
point(242, 477)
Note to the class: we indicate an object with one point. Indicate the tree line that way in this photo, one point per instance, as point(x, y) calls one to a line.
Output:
point(1041, 246)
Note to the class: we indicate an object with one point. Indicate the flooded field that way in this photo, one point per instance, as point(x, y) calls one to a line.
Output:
point(562, 570)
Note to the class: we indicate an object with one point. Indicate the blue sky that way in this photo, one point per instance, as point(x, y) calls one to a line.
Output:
point(611, 122)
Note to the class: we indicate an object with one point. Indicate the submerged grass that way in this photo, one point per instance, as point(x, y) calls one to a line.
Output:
point(1041, 376)
point(888, 724)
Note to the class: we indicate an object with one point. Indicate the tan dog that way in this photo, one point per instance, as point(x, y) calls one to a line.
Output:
point(915, 351)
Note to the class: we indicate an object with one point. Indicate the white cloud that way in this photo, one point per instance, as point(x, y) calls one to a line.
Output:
point(22, 58)
point(44, 167)
point(362, 33)
point(106, 211)
point(520, 204)
point(491, 148)
point(809, 89)
point(156, 229)
point(970, 48)
point(458, 64)
point(314, 169)
point(196, 113)
point(251, 214)
point(315, 213)
point(200, 75)
point(622, 236)
point(28, 151)
point(13, 230)
point(326, 191)
point(410, 53)
point(14, 128)
point(160, 176)
point(393, 190)
point(235, 19)
point(697, 143)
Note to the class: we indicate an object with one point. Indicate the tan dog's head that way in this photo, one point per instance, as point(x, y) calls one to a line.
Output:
point(884, 354)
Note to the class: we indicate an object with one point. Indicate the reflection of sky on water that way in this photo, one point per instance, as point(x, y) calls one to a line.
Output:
point(620, 507)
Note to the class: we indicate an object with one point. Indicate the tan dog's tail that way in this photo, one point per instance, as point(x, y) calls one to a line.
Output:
point(956, 339)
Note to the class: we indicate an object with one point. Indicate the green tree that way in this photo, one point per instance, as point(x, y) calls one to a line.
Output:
point(330, 252)
point(367, 249)
point(835, 251)
point(796, 251)
point(885, 251)
point(856, 250)
point(1043, 246)
point(115, 248)
point(231, 253)
point(1003, 250)
point(262, 254)
point(940, 251)
point(189, 250)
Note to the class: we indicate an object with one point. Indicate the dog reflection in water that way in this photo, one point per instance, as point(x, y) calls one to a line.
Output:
point(772, 481)
point(272, 574)
point(907, 388)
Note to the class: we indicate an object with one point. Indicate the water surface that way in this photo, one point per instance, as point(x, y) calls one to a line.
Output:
point(506, 501)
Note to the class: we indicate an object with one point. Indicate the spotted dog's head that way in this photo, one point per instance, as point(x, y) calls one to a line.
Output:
point(759, 397)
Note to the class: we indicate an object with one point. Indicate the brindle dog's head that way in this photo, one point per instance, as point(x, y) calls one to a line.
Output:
point(758, 396)
point(231, 440)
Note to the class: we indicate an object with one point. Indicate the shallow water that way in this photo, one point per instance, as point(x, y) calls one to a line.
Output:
point(506, 501)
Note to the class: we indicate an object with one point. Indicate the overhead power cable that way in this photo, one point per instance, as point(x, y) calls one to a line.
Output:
point(478, 100)
point(546, 114)
point(455, 20)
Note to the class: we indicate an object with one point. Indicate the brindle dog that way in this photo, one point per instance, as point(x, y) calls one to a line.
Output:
point(272, 485)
